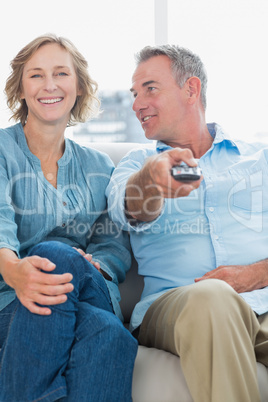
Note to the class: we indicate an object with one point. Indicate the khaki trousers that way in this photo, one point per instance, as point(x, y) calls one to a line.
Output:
point(217, 336)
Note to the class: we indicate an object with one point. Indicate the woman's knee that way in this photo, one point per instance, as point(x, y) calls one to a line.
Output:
point(65, 257)
point(50, 249)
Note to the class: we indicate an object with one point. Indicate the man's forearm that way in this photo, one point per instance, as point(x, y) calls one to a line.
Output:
point(144, 199)
point(261, 268)
point(147, 189)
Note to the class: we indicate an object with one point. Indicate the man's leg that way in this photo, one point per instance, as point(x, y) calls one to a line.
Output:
point(213, 331)
point(261, 344)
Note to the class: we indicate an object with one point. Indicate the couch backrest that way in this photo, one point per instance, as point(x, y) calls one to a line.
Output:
point(130, 290)
point(116, 150)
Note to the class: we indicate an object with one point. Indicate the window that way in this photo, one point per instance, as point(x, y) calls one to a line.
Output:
point(107, 33)
point(230, 37)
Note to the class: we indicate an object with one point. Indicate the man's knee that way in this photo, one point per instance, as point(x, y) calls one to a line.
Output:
point(209, 292)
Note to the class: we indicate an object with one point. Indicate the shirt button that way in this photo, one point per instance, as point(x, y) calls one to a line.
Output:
point(63, 225)
point(64, 203)
point(211, 209)
point(216, 237)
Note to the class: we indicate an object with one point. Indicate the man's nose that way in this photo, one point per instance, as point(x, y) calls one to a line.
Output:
point(138, 104)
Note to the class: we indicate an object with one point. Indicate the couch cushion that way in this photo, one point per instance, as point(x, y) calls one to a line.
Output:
point(158, 377)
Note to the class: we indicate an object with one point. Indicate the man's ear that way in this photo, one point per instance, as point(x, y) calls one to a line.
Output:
point(193, 89)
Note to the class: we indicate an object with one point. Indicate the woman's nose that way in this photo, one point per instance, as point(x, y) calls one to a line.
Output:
point(50, 84)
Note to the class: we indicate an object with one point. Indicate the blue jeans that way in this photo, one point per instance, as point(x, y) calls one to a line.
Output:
point(80, 353)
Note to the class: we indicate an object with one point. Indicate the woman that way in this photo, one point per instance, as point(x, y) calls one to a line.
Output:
point(59, 336)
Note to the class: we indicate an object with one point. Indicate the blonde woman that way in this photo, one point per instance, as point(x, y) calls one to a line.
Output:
point(60, 256)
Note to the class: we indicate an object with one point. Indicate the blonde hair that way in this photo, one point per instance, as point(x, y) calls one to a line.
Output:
point(86, 105)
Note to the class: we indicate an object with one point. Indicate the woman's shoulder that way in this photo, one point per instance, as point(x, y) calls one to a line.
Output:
point(9, 136)
point(11, 130)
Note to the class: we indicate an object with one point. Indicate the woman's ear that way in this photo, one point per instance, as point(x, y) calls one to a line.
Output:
point(194, 89)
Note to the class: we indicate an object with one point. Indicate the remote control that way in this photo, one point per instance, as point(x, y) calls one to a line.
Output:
point(186, 173)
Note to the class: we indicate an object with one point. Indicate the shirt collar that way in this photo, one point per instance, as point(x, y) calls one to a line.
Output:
point(215, 131)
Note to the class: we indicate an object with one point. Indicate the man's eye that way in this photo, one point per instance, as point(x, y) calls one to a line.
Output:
point(151, 88)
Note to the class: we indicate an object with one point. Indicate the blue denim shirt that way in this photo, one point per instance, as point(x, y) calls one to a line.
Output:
point(224, 222)
point(32, 210)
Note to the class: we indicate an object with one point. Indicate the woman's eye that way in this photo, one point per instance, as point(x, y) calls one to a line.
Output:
point(36, 76)
point(62, 73)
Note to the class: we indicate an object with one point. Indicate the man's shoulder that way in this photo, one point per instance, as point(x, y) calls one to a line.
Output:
point(250, 148)
point(139, 154)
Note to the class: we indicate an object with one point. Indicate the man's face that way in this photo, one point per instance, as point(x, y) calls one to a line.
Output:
point(159, 103)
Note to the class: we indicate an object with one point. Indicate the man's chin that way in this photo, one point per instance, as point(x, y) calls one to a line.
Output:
point(149, 134)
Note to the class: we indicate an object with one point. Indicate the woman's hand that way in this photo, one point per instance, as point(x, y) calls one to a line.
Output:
point(88, 257)
point(34, 287)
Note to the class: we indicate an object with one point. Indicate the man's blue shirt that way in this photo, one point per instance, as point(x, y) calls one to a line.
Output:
point(223, 222)
point(32, 210)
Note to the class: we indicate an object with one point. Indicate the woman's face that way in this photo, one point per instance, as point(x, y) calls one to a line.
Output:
point(50, 85)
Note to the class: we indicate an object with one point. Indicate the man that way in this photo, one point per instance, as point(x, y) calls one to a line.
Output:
point(200, 245)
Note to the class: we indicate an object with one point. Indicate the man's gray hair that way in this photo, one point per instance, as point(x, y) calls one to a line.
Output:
point(184, 64)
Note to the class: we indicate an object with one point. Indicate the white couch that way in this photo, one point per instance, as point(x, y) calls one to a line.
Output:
point(157, 374)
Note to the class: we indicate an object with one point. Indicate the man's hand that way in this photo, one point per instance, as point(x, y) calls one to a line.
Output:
point(242, 278)
point(35, 287)
point(146, 189)
point(160, 172)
